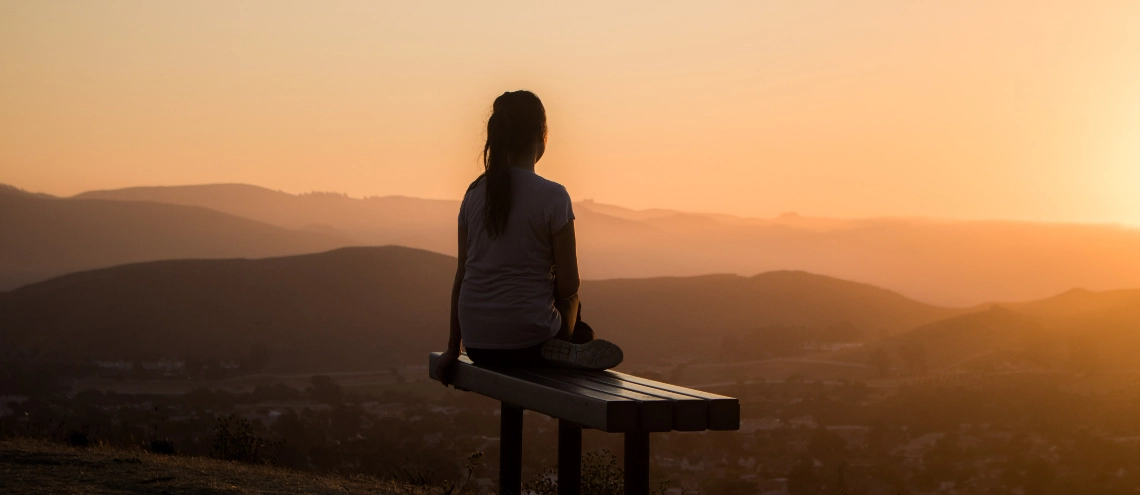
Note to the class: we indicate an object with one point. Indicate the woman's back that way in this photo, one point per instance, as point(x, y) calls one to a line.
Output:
point(515, 228)
point(507, 297)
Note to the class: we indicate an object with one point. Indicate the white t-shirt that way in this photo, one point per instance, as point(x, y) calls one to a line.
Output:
point(506, 300)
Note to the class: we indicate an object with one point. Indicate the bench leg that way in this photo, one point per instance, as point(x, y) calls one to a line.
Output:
point(637, 463)
point(569, 458)
point(510, 449)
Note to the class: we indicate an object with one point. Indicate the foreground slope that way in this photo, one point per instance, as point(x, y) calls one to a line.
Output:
point(42, 236)
point(29, 466)
point(371, 308)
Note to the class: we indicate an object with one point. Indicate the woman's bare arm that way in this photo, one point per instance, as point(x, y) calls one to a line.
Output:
point(460, 272)
point(566, 280)
point(455, 337)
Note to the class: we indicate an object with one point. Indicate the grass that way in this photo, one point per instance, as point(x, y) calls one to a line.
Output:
point(34, 467)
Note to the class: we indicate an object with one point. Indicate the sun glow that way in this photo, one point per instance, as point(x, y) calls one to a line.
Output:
point(1121, 180)
point(843, 109)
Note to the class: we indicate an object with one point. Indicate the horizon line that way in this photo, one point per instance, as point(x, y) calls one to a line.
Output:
point(910, 217)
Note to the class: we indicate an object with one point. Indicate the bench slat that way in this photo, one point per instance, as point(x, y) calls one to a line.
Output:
point(689, 413)
point(581, 405)
point(724, 412)
point(656, 411)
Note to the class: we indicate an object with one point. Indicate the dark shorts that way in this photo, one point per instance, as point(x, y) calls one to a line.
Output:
point(527, 356)
point(578, 333)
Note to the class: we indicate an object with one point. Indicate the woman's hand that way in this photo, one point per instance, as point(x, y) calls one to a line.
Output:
point(445, 365)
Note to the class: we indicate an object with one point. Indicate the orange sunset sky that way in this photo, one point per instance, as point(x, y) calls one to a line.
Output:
point(1022, 110)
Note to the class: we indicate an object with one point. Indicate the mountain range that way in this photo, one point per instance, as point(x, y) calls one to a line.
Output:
point(944, 262)
point(373, 307)
point(376, 307)
point(43, 236)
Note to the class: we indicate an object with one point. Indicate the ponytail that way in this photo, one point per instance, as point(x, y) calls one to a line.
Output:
point(517, 123)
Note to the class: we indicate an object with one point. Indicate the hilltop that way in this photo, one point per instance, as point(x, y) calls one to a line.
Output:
point(30, 466)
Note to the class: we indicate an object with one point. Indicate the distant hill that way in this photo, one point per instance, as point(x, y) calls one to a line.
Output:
point(43, 237)
point(372, 308)
point(1082, 303)
point(961, 341)
point(1078, 331)
point(950, 263)
point(411, 222)
point(680, 316)
point(348, 309)
point(1083, 338)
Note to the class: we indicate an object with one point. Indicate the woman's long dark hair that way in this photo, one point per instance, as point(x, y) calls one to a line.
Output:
point(516, 126)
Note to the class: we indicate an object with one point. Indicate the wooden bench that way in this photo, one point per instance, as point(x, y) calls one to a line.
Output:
point(603, 400)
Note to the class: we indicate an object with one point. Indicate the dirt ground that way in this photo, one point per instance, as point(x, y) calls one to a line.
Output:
point(37, 467)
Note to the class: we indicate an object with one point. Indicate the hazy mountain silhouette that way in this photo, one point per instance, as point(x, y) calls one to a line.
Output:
point(958, 342)
point(682, 315)
point(953, 263)
point(351, 308)
point(1081, 303)
point(42, 236)
point(361, 308)
point(411, 222)
point(1079, 331)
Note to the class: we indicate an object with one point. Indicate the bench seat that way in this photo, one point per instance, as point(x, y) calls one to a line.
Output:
point(603, 400)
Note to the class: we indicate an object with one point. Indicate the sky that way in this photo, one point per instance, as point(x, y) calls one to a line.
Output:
point(973, 110)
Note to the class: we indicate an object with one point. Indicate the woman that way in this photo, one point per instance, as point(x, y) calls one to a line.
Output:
point(515, 297)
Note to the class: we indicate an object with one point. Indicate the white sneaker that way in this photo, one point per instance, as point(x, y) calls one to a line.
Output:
point(593, 355)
